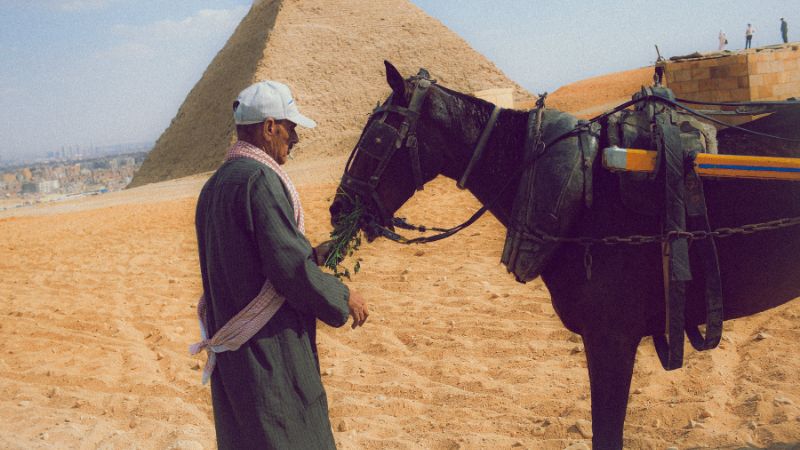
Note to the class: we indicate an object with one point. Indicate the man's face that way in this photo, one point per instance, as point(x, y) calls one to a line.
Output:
point(282, 138)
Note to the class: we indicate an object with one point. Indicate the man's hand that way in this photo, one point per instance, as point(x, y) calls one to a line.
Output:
point(358, 309)
point(321, 252)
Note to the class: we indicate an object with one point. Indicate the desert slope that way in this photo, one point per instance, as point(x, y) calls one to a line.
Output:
point(592, 96)
point(98, 303)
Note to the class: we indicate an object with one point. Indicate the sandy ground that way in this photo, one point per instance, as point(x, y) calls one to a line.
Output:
point(98, 300)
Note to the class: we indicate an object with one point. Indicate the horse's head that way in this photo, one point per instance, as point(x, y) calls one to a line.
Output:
point(392, 158)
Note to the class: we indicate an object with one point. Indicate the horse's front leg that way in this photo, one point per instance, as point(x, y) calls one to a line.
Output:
point(610, 356)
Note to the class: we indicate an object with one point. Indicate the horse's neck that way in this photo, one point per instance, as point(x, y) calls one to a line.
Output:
point(493, 180)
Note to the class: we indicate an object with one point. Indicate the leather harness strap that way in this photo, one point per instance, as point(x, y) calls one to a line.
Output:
point(675, 252)
point(683, 201)
point(697, 217)
point(411, 130)
point(533, 148)
point(479, 147)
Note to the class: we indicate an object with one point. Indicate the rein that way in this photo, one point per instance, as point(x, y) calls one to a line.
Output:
point(481, 143)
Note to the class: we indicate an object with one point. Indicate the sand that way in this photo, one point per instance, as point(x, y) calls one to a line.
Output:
point(98, 300)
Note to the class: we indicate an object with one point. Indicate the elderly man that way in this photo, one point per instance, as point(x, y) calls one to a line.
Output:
point(263, 291)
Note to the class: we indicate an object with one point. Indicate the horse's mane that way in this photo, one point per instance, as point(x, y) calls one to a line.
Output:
point(508, 117)
point(464, 97)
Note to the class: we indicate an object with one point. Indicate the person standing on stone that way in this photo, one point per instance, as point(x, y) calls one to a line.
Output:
point(784, 30)
point(262, 288)
point(748, 35)
point(723, 40)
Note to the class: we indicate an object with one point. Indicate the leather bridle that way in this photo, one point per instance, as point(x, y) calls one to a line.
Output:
point(380, 141)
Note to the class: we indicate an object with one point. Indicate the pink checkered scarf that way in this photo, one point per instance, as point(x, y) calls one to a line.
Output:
point(260, 310)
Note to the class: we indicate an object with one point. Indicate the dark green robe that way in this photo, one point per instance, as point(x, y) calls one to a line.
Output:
point(268, 394)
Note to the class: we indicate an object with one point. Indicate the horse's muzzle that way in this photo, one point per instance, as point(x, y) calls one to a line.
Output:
point(341, 206)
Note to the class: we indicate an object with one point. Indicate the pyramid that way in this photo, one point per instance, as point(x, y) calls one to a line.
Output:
point(330, 52)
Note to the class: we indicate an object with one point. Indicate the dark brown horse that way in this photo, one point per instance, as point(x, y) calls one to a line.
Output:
point(624, 299)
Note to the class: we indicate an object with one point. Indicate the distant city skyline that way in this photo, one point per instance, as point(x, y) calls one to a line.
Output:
point(75, 152)
point(103, 72)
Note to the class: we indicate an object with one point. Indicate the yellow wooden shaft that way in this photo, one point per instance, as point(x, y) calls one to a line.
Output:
point(707, 164)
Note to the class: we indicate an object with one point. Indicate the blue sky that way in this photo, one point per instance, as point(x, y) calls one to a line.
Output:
point(83, 72)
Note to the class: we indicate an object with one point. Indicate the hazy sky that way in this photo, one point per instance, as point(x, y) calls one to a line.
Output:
point(82, 72)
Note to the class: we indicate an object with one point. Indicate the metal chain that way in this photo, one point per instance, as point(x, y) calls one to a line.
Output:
point(637, 239)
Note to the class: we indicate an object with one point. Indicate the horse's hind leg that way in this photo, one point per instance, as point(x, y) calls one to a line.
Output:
point(610, 357)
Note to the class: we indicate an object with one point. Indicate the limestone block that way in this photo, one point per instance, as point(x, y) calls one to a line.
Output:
point(771, 66)
point(738, 70)
point(793, 89)
point(684, 87)
point(719, 62)
point(706, 96)
point(786, 90)
point(740, 95)
point(719, 71)
point(762, 56)
point(771, 78)
point(673, 67)
point(701, 73)
point(678, 75)
point(762, 92)
point(751, 69)
point(743, 81)
point(780, 90)
point(721, 95)
point(756, 80)
point(707, 85)
point(728, 83)
point(763, 67)
point(731, 95)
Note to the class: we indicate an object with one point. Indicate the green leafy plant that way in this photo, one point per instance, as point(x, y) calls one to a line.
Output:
point(345, 239)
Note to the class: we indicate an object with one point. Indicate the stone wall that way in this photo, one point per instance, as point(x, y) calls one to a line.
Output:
point(769, 73)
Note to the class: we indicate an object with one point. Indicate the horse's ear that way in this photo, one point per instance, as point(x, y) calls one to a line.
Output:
point(394, 79)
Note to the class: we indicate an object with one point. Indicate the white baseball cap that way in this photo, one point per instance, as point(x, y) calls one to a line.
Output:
point(267, 99)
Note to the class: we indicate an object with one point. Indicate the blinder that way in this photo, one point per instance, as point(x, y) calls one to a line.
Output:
point(380, 141)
